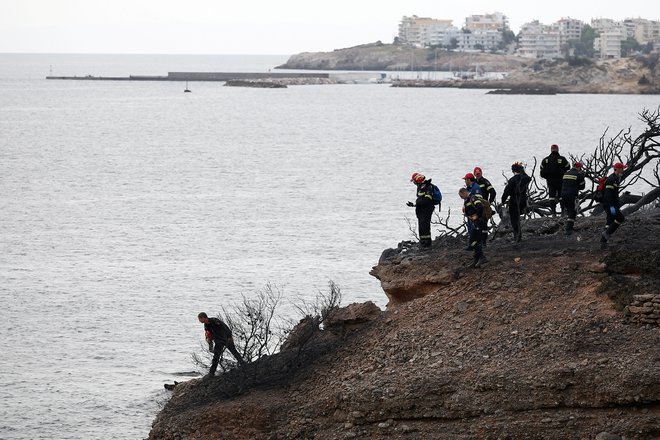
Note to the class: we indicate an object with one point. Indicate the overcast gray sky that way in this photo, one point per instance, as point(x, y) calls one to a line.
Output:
point(259, 26)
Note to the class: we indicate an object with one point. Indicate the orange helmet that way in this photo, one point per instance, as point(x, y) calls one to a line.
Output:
point(418, 178)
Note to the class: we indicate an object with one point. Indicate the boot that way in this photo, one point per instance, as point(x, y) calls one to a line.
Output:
point(480, 262)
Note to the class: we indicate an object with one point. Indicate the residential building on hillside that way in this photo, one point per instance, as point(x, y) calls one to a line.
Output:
point(569, 29)
point(537, 40)
point(642, 30)
point(608, 43)
point(487, 22)
point(425, 31)
point(478, 40)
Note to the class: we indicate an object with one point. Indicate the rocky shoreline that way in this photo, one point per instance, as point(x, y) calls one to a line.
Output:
point(639, 75)
point(554, 338)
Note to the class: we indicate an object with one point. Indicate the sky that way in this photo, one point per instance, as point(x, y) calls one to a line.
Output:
point(259, 26)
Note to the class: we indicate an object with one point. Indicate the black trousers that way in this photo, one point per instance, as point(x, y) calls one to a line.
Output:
point(569, 206)
point(514, 215)
point(218, 349)
point(476, 237)
point(554, 192)
point(424, 213)
point(613, 220)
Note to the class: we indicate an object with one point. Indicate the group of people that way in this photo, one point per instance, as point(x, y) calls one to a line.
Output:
point(564, 183)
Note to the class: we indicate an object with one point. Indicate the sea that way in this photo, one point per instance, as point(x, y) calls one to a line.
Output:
point(127, 207)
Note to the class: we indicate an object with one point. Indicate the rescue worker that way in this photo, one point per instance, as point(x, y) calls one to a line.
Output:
point(516, 193)
point(572, 183)
point(472, 185)
point(553, 168)
point(485, 186)
point(473, 209)
point(218, 335)
point(423, 208)
point(611, 204)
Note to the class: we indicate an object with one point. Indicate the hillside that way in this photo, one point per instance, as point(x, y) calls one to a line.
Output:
point(623, 76)
point(552, 339)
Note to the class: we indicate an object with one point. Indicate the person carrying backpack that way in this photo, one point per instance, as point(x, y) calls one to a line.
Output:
point(516, 192)
point(473, 209)
point(611, 204)
point(424, 206)
point(573, 182)
point(553, 168)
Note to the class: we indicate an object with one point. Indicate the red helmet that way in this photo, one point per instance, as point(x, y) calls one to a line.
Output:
point(418, 178)
point(469, 176)
point(578, 164)
point(620, 165)
point(477, 170)
point(554, 147)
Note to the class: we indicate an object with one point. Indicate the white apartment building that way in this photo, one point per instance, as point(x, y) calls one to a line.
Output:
point(425, 31)
point(569, 29)
point(610, 35)
point(642, 30)
point(487, 22)
point(539, 41)
point(478, 40)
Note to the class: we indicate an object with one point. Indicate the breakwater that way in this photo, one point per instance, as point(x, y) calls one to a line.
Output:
point(197, 76)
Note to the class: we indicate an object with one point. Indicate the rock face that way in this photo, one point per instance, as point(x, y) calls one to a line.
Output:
point(540, 343)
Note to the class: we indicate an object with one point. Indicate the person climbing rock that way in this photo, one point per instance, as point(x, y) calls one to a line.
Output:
point(218, 335)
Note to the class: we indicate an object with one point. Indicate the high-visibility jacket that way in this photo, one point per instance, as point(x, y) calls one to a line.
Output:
point(572, 182)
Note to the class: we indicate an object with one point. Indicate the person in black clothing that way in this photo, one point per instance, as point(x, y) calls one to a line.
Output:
point(553, 168)
point(516, 191)
point(611, 204)
point(487, 189)
point(218, 335)
point(423, 208)
point(573, 182)
point(473, 209)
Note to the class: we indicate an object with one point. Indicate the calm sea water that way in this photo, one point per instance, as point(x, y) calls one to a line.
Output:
point(128, 207)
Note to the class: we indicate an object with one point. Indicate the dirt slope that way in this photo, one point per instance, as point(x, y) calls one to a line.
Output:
point(536, 345)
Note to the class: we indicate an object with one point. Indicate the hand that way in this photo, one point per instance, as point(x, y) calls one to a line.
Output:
point(612, 210)
point(411, 204)
point(439, 206)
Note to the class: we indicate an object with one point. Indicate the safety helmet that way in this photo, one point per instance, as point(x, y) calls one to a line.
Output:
point(418, 178)
point(469, 176)
point(620, 165)
point(554, 147)
point(477, 170)
point(578, 164)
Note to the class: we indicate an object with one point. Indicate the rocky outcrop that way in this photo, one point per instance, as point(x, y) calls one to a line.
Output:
point(537, 344)
point(639, 75)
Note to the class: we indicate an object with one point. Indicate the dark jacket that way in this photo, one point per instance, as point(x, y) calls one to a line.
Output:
point(424, 193)
point(472, 205)
point(487, 189)
point(516, 189)
point(220, 332)
point(611, 191)
point(554, 166)
point(572, 182)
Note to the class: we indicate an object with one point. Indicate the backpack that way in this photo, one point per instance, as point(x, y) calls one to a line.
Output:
point(598, 195)
point(437, 195)
point(488, 211)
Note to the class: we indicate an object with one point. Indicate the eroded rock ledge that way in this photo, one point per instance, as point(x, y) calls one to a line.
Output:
point(535, 345)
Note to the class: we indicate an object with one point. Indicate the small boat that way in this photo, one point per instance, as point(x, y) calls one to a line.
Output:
point(187, 89)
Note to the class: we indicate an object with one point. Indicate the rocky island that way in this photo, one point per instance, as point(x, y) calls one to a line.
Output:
point(636, 75)
point(554, 338)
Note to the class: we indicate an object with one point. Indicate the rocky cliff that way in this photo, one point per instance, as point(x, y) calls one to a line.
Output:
point(552, 339)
